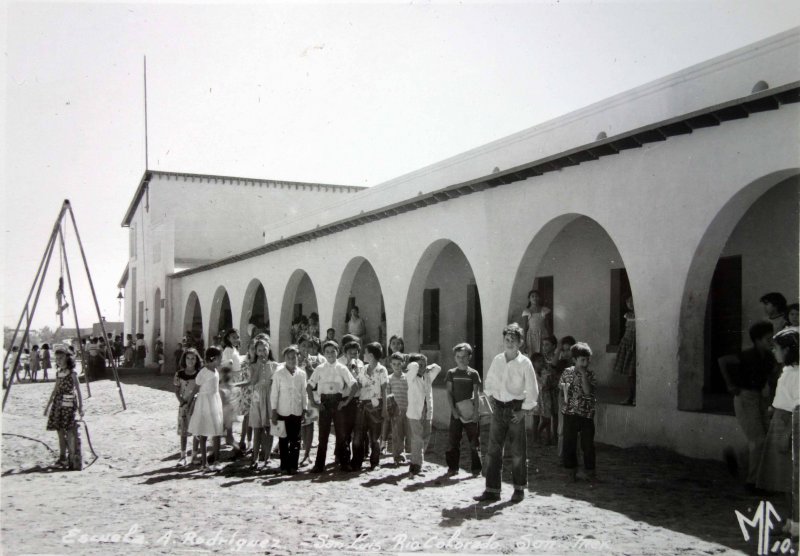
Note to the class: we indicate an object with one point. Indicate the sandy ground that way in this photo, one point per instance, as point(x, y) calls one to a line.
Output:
point(135, 500)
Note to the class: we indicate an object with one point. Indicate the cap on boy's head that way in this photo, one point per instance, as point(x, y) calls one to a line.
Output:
point(413, 367)
point(60, 348)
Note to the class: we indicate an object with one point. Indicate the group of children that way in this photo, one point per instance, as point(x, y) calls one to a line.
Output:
point(373, 409)
point(29, 362)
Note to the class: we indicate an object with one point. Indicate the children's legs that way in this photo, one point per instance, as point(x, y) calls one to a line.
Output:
point(519, 454)
point(325, 418)
point(203, 451)
point(184, 440)
point(544, 429)
point(216, 444)
point(243, 435)
point(474, 438)
point(62, 444)
point(195, 447)
point(415, 428)
point(359, 438)
point(587, 443)
point(453, 452)
point(266, 444)
point(258, 433)
point(308, 439)
point(399, 427)
point(426, 434)
point(375, 430)
point(569, 455)
point(497, 439)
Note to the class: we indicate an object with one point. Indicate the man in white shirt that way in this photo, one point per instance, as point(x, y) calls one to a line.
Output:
point(510, 384)
point(335, 386)
point(289, 404)
point(420, 377)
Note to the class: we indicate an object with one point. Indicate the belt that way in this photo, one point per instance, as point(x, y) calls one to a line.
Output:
point(515, 404)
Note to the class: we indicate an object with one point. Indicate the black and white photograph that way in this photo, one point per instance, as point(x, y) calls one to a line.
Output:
point(384, 278)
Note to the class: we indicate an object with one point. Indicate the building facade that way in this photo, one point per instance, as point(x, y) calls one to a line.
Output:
point(682, 193)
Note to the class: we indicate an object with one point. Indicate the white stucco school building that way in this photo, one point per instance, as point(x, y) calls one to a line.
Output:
point(659, 192)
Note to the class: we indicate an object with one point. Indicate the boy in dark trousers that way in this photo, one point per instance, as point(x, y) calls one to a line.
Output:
point(463, 388)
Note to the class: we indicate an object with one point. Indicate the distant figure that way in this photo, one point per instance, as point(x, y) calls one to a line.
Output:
point(45, 357)
point(313, 325)
point(36, 363)
point(793, 316)
point(141, 350)
point(746, 376)
point(778, 469)
point(535, 323)
point(330, 335)
point(775, 309)
point(356, 325)
point(625, 363)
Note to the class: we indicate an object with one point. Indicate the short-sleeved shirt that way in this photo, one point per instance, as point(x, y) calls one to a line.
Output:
point(398, 387)
point(331, 379)
point(578, 403)
point(371, 385)
point(754, 370)
point(464, 382)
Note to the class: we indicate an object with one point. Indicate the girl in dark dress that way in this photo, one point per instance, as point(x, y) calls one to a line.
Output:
point(64, 402)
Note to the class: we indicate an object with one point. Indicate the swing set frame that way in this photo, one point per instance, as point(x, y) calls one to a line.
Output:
point(57, 237)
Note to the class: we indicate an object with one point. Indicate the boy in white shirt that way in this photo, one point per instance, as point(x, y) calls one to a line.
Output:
point(335, 386)
point(420, 377)
point(289, 403)
point(510, 384)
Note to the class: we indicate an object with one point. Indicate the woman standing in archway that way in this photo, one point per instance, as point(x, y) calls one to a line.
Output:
point(625, 363)
point(356, 325)
point(535, 323)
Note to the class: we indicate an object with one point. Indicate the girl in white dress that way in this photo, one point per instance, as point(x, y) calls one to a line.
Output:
point(535, 323)
point(261, 369)
point(206, 417)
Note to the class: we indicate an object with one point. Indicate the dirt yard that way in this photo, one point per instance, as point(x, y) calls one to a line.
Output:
point(135, 500)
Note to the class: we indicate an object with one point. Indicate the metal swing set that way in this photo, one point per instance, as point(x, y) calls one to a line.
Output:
point(28, 311)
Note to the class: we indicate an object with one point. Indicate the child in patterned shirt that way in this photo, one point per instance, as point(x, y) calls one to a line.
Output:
point(578, 386)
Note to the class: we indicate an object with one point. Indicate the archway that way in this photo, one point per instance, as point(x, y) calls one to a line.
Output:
point(443, 305)
point(359, 286)
point(221, 317)
point(299, 300)
point(748, 250)
point(193, 319)
point(255, 311)
point(579, 273)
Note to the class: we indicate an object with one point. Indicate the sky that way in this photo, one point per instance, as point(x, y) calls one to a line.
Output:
point(333, 93)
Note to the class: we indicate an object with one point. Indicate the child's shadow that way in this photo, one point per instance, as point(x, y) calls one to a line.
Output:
point(35, 469)
point(440, 481)
point(166, 474)
point(387, 480)
point(455, 517)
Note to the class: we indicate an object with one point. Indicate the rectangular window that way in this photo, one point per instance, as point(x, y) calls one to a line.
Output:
point(430, 317)
point(132, 242)
point(620, 292)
